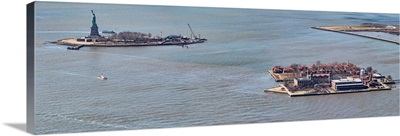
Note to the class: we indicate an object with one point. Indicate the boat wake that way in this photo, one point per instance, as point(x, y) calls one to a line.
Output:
point(75, 74)
point(121, 55)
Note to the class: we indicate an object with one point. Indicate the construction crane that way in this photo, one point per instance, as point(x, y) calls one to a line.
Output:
point(192, 32)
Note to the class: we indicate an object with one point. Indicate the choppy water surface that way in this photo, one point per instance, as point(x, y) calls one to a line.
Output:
point(213, 83)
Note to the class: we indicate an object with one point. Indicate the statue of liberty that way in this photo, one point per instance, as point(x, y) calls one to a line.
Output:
point(94, 20)
point(94, 29)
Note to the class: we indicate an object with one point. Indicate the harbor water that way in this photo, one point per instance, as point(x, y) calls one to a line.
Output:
point(218, 82)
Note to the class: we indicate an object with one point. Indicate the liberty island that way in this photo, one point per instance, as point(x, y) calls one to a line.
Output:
point(127, 38)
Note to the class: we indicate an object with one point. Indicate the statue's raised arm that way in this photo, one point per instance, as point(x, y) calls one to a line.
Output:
point(94, 20)
point(93, 14)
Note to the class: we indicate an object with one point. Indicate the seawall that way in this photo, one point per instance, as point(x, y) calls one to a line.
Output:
point(283, 90)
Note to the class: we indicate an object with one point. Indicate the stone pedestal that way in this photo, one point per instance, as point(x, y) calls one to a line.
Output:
point(94, 32)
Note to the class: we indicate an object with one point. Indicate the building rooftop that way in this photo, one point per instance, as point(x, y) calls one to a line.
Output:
point(355, 84)
point(303, 79)
point(347, 80)
point(320, 75)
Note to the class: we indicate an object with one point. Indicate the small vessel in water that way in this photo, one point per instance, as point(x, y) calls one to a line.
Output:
point(75, 47)
point(102, 77)
point(72, 48)
point(108, 32)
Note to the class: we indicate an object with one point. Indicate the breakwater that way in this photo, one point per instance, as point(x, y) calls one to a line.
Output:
point(361, 35)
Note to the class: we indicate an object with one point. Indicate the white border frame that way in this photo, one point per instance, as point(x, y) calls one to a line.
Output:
point(13, 80)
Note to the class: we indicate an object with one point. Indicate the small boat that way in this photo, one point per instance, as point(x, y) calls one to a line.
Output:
point(108, 32)
point(102, 77)
point(73, 48)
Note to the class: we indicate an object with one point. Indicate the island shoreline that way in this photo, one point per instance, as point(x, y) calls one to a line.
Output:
point(318, 81)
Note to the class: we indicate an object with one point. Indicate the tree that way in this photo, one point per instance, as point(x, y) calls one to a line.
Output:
point(295, 66)
point(314, 67)
point(286, 84)
point(122, 35)
point(129, 36)
point(369, 69)
point(318, 63)
point(113, 36)
point(389, 77)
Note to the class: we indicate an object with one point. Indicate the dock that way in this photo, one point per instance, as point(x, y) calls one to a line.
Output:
point(355, 34)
